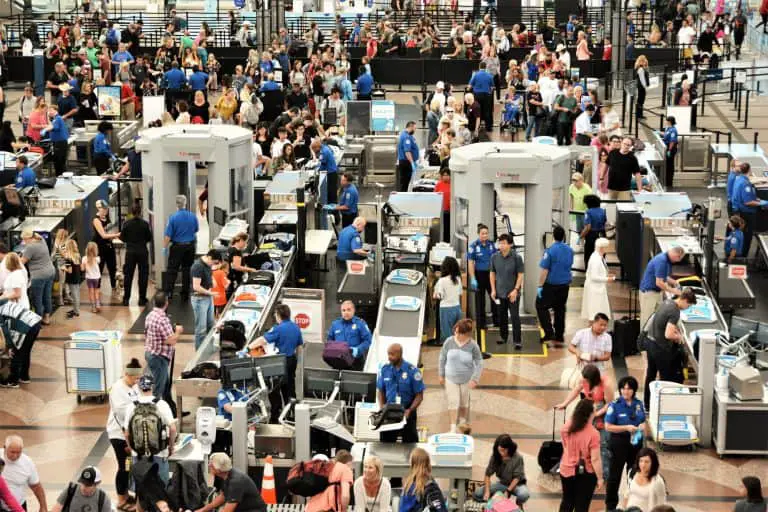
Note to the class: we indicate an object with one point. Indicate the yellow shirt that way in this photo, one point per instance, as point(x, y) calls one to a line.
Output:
point(578, 195)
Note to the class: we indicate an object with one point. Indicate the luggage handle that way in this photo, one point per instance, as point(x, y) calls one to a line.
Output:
point(554, 420)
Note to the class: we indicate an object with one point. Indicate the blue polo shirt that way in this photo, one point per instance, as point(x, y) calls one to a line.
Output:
point(269, 85)
point(481, 82)
point(66, 104)
point(743, 192)
point(197, 80)
point(349, 197)
point(595, 218)
point(327, 160)
point(558, 260)
point(407, 144)
point(735, 241)
point(26, 178)
point(353, 332)
point(182, 227)
point(101, 146)
point(670, 136)
point(228, 396)
point(404, 381)
point(266, 66)
point(175, 79)
point(365, 84)
point(286, 336)
point(481, 253)
point(659, 267)
point(122, 56)
point(354, 36)
point(59, 132)
point(349, 241)
point(732, 175)
point(621, 413)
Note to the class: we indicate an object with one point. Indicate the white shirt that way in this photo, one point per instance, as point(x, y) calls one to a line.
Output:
point(610, 119)
point(685, 35)
point(597, 346)
point(277, 147)
point(565, 58)
point(162, 408)
point(19, 475)
point(27, 48)
point(120, 398)
point(448, 292)
point(4, 273)
point(583, 124)
point(92, 270)
point(18, 279)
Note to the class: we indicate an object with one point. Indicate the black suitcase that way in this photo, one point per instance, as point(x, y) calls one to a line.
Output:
point(551, 452)
point(263, 277)
point(626, 330)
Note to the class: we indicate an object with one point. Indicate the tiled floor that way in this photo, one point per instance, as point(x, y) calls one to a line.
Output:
point(62, 435)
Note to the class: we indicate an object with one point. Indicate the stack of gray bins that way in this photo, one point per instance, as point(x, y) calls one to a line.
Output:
point(380, 158)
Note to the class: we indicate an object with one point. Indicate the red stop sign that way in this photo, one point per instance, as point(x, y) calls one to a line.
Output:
point(302, 320)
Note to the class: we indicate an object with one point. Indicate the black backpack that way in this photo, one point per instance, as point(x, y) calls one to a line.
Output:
point(149, 436)
point(231, 339)
point(72, 489)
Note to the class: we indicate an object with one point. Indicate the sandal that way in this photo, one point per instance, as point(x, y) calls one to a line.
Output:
point(127, 506)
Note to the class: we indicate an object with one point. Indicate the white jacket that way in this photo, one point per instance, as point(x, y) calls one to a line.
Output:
point(595, 289)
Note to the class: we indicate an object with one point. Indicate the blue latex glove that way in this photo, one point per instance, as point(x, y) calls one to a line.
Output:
point(414, 166)
point(473, 284)
point(165, 252)
point(539, 291)
point(637, 437)
point(241, 353)
point(329, 207)
point(763, 203)
point(355, 351)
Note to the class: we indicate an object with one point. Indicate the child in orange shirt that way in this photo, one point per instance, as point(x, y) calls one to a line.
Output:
point(220, 285)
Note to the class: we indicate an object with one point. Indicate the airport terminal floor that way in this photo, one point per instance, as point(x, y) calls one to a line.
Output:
point(515, 396)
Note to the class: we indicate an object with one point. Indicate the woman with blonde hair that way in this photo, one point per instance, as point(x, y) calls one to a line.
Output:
point(16, 283)
point(41, 273)
point(91, 265)
point(420, 490)
point(70, 266)
point(641, 81)
point(372, 491)
point(582, 47)
point(57, 255)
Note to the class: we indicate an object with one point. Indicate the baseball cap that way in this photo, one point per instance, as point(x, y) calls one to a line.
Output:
point(90, 476)
point(440, 85)
point(146, 382)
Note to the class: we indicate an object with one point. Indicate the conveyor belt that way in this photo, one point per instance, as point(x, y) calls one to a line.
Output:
point(400, 324)
point(359, 288)
point(734, 293)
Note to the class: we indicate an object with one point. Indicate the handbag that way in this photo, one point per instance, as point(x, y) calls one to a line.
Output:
point(569, 377)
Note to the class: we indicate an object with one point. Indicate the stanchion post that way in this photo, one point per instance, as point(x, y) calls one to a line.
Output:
point(703, 96)
point(733, 76)
point(754, 141)
point(746, 109)
point(664, 86)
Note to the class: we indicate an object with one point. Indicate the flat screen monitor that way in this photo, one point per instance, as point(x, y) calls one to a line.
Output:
point(358, 118)
point(219, 216)
point(359, 383)
point(761, 338)
point(271, 366)
point(741, 327)
point(319, 380)
point(237, 372)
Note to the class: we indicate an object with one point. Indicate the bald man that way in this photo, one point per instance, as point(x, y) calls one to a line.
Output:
point(20, 473)
point(400, 382)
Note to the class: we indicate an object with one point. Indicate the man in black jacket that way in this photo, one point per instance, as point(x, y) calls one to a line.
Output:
point(136, 234)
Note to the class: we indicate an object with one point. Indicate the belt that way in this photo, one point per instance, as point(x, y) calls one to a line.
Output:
point(183, 243)
point(650, 291)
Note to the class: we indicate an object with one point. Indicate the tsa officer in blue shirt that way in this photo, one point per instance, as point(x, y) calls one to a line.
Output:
point(625, 417)
point(554, 283)
point(102, 149)
point(733, 173)
point(58, 133)
point(349, 198)
point(285, 335)
point(181, 237)
point(594, 225)
point(26, 177)
point(400, 382)
point(407, 156)
point(670, 140)
point(482, 87)
point(745, 204)
point(364, 84)
point(328, 164)
point(656, 279)
point(350, 245)
point(198, 80)
point(479, 263)
point(226, 397)
point(353, 331)
point(734, 240)
point(175, 78)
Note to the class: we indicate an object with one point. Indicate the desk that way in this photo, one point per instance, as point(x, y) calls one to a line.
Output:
point(734, 429)
point(279, 217)
point(756, 157)
point(316, 243)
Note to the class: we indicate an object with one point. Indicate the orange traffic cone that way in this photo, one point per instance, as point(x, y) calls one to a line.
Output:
point(268, 493)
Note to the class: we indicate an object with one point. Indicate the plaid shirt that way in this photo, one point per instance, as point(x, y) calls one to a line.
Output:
point(586, 341)
point(158, 328)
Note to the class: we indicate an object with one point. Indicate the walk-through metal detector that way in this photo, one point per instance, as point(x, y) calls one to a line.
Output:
point(170, 156)
point(478, 170)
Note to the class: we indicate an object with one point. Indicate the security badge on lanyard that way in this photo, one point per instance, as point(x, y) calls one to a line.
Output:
point(404, 376)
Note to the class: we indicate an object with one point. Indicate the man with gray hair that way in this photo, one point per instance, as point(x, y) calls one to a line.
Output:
point(238, 492)
point(181, 236)
point(20, 473)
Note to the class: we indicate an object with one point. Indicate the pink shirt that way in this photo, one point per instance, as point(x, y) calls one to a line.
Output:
point(7, 497)
point(578, 445)
point(37, 117)
point(327, 499)
point(582, 50)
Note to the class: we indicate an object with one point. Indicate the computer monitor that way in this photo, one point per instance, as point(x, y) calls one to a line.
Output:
point(219, 216)
point(741, 327)
point(761, 338)
point(359, 383)
point(271, 366)
point(237, 372)
point(319, 380)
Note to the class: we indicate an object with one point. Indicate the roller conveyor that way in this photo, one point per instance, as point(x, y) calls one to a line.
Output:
point(359, 288)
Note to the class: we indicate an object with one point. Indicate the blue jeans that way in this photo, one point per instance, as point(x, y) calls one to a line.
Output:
point(202, 307)
point(163, 469)
point(534, 125)
point(521, 492)
point(448, 318)
point(40, 291)
point(159, 368)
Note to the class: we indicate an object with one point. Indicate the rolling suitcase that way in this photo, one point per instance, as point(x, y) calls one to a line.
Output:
point(551, 452)
point(626, 330)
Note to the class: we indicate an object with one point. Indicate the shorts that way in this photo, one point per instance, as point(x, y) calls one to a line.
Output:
point(458, 394)
point(93, 283)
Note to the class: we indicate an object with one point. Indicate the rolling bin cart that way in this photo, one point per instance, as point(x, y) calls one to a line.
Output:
point(92, 363)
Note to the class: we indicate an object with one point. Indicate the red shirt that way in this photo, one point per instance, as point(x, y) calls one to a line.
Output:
point(445, 189)
point(607, 51)
point(578, 445)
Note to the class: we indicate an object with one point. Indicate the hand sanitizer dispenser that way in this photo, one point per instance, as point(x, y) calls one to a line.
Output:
point(205, 428)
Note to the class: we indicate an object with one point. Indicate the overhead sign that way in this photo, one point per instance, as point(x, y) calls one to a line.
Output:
point(709, 75)
point(741, 77)
point(382, 116)
point(737, 272)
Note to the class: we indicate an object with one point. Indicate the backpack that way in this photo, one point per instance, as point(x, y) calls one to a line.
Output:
point(112, 37)
point(71, 489)
point(231, 339)
point(390, 413)
point(148, 433)
point(309, 478)
point(252, 113)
